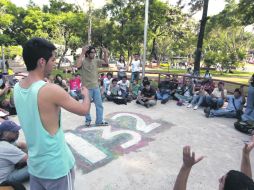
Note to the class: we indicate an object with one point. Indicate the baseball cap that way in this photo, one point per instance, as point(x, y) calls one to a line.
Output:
point(9, 126)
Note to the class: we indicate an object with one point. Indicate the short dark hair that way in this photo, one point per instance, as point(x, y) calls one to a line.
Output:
point(146, 83)
point(221, 83)
point(238, 90)
point(90, 48)
point(109, 74)
point(114, 80)
point(34, 49)
point(124, 77)
point(236, 180)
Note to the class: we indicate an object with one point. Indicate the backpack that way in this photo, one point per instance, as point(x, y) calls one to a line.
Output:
point(244, 127)
point(120, 100)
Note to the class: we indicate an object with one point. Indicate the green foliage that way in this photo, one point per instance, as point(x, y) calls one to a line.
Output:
point(227, 47)
point(246, 9)
point(12, 51)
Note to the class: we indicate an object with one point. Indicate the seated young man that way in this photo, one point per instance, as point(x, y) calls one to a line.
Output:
point(232, 180)
point(13, 159)
point(185, 93)
point(198, 98)
point(164, 92)
point(216, 99)
point(124, 86)
point(75, 87)
point(134, 89)
point(174, 82)
point(147, 96)
point(248, 117)
point(107, 81)
point(235, 104)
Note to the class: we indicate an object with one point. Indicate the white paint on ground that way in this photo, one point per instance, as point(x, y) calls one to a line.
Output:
point(140, 125)
point(84, 148)
point(108, 134)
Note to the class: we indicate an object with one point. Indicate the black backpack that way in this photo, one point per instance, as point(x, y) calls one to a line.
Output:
point(244, 127)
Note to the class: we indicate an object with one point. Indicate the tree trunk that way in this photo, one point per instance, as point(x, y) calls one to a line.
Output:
point(153, 52)
point(62, 57)
point(201, 37)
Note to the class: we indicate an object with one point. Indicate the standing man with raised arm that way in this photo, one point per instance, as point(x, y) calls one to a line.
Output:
point(38, 104)
point(89, 75)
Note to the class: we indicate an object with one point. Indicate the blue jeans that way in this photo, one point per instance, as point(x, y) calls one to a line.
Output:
point(19, 175)
point(164, 95)
point(197, 100)
point(95, 95)
point(249, 112)
point(223, 113)
point(134, 76)
point(183, 98)
point(214, 102)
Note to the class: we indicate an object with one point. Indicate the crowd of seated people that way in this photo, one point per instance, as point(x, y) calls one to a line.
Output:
point(186, 92)
point(194, 94)
point(13, 154)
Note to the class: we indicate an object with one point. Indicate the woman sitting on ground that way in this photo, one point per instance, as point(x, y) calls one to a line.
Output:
point(185, 93)
point(59, 81)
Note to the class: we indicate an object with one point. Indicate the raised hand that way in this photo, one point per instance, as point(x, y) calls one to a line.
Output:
point(189, 158)
point(248, 147)
point(84, 50)
point(105, 50)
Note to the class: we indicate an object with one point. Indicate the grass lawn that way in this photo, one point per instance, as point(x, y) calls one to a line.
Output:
point(237, 76)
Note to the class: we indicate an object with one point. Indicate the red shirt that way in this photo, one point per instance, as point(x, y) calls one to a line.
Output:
point(75, 84)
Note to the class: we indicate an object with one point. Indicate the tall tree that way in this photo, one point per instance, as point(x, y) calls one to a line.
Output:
point(201, 37)
point(197, 5)
point(246, 8)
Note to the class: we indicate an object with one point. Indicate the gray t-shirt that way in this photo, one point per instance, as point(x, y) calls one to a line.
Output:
point(9, 156)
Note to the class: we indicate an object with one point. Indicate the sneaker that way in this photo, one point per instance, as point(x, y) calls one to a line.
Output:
point(208, 112)
point(147, 106)
point(88, 124)
point(205, 110)
point(163, 101)
point(189, 106)
point(196, 107)
point(104, 123)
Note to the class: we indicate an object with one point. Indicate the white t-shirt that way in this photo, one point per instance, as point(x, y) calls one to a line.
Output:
point(121, 66)
point(135, 66)
point(124, 86)
point(217, 93)
point(9, 156)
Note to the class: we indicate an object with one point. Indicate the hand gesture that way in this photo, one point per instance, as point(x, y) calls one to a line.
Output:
point(248, 147)
point(105, 50)
point(84, 92)
point(189, 158)
point(84, 50)
point(241, 88)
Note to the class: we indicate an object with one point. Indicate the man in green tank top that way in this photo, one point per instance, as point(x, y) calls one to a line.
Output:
point(38, 104)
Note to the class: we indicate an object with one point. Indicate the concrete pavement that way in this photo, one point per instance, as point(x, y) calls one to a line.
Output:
point(142, 149)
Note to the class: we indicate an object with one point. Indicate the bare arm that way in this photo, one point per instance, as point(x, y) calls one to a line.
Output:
point(105, 58)
point(188, 161)
point(81, 57)
point(61, 98)
point(245, 164)
point(223, 94)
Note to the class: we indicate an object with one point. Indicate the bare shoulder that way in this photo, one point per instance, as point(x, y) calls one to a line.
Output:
point(52, 91)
